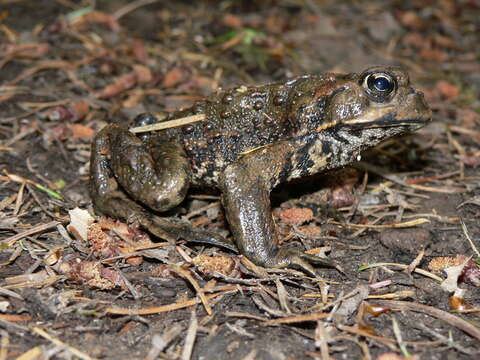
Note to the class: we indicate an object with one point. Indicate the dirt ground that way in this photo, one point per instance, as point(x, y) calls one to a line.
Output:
point(403, 222)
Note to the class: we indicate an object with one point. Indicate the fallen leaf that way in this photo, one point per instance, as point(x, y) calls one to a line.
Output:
point(445, 41)
point(310, 231)
point(71, 112)
point(375, 310)
point(93, 16)
point(81, 131)
point(415, 39)
point(144, 74)
point(433, 55)
point(467, 118)
point(174, 77)
point(139, 51)
point(80, 220)
point(95, 274)
point(53, 256)
point(109, 238)
point(120, 84)
point(208, 265)
point(447, 90)
point(471, 273)
point(458, 303)
point(411, 19)
point(232, 21)
point(295, 216)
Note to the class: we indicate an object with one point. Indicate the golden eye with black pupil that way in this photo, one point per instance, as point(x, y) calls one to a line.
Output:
point(379, 86)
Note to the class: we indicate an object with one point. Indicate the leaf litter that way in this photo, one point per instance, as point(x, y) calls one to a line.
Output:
point(68, 76)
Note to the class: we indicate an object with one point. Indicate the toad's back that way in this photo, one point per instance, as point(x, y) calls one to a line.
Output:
point(241, 119)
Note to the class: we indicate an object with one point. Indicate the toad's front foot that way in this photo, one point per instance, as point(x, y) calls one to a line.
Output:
point(173, 230)
point(295, 258)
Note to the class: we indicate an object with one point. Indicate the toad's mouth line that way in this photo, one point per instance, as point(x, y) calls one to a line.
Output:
point(387, 121)
point(398, 123)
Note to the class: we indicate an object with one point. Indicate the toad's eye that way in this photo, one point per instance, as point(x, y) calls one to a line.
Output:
point(379, 86)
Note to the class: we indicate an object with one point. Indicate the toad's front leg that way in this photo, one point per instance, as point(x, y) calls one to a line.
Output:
point(246, 186)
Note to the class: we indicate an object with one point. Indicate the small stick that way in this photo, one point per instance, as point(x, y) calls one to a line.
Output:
point(169, 124)
point(184, 273)
point(465, 232)
point(36, 229)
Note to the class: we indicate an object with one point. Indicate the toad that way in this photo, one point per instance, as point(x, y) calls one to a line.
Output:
point(249, 140)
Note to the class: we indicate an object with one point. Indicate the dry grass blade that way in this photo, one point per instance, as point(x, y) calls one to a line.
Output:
point(419, 180)
point(36, 229)
point(413, 265)
point(252, 355)
point(12, 327)
point(362, 345)
point(282, 296)
point(244, 315)
point(405, 224)
point(297, 319)
point(470, 241)
point(321, 307)
point(196, 212)
point(32, 354)
point(437, 313)
point(395, 295)
point(439, 189)
point(42, 105)
point(38, 279)
point(169, 124)
point(397, 180)
point(10, 293)
point(258, 270)
point(469, 132)
point(398, 336)
point(383, 340)
point(44, 65)
point(60, 343)
point(4, 344)
point(184, 273)
point(321, 340)
point(22, 180)
point(165, 308)
point(160, 342)
point(124, 10)
point(15, 317)
point(190, 337)
point(405, 267)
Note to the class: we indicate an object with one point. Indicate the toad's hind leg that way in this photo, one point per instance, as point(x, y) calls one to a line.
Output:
point(122, 164)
